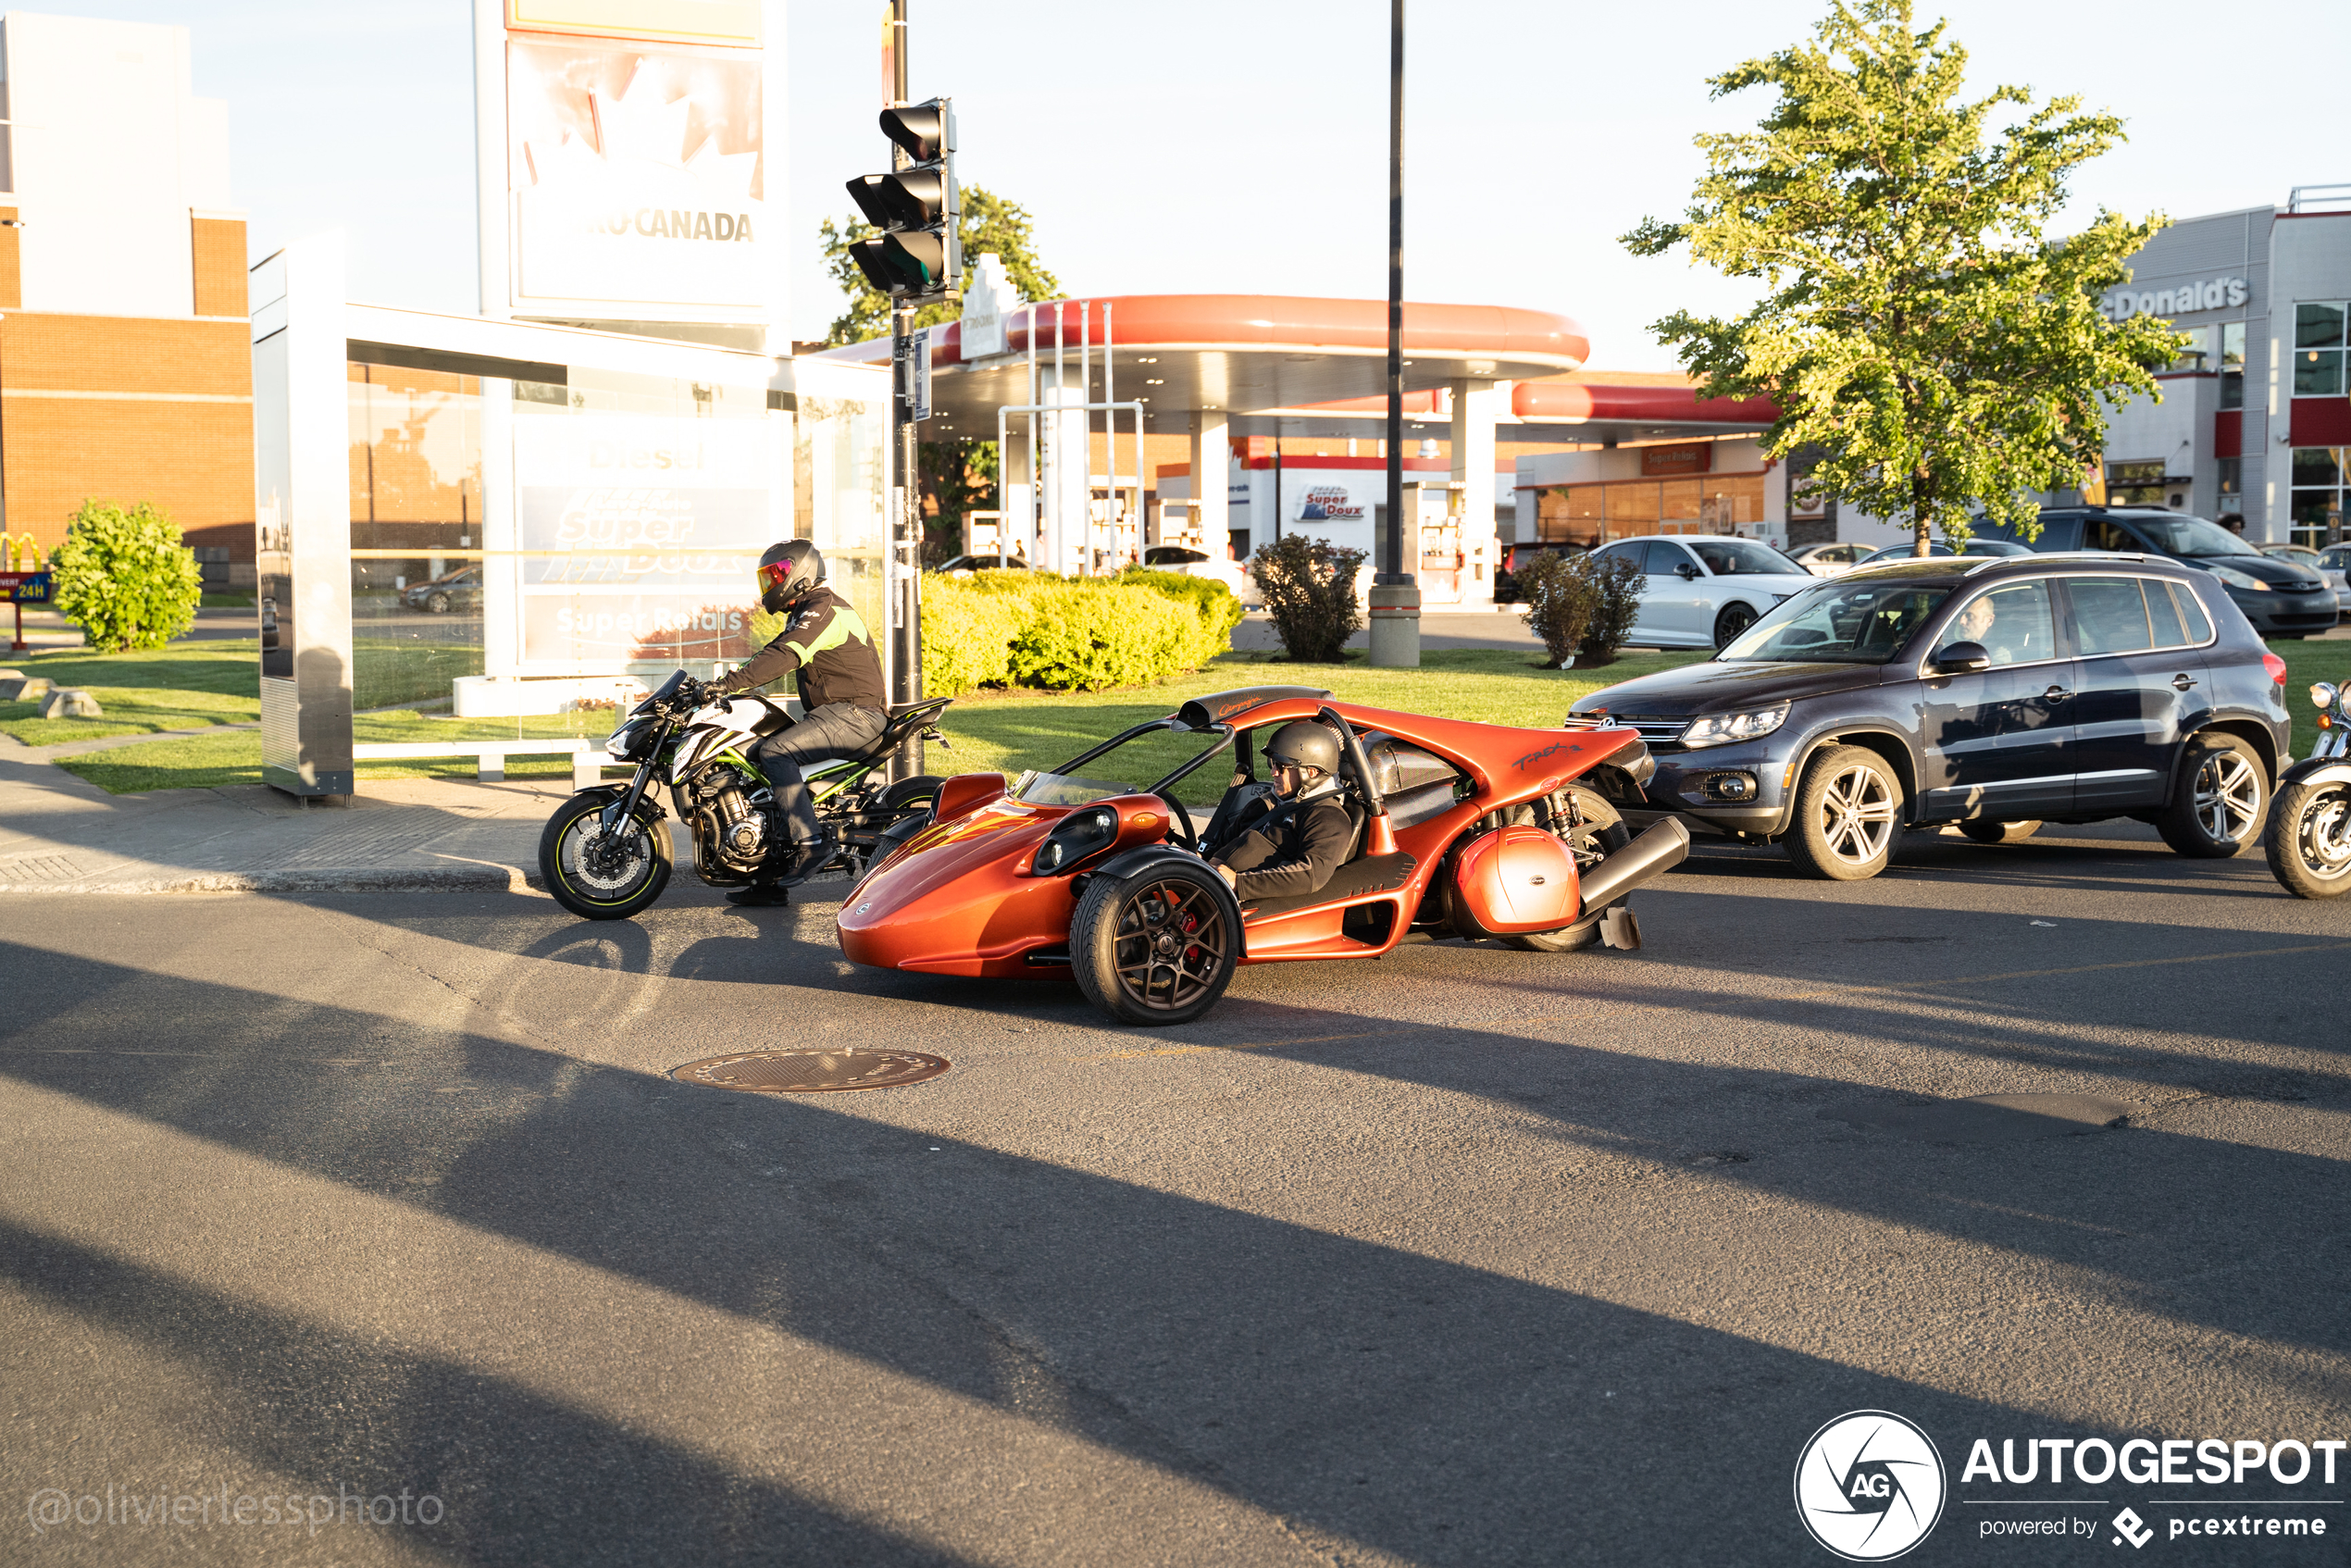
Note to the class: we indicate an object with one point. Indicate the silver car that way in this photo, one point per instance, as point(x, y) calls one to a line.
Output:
point(1703, 589)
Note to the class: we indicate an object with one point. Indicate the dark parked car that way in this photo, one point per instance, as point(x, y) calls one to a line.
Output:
point(2281, 598)
point(460, 589)
point(1975, 547)
point(1997, 694)
point(1517, 555)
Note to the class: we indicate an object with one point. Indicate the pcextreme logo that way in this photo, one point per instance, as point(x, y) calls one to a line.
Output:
point(1870, 1486)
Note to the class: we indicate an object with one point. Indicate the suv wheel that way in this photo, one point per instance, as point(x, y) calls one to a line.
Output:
point(1847, 811)
point(1734, 619)
point(2221, 801)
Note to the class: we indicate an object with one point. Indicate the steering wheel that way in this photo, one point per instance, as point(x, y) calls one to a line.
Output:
point(1180, 820)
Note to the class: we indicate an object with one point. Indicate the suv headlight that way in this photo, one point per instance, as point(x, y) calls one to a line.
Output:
point(1721, 729)
point(2236, 579)
point(1073, 839)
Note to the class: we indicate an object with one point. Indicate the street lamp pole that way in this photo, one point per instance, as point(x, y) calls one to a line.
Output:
point(1396, 597)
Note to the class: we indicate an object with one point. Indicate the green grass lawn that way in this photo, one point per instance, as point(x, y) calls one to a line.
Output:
point(208, 762)
point(2307, 661)
point(185, 686)
point(1008, 731)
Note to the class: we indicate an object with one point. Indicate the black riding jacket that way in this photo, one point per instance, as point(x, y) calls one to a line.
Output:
point(827, 646)
point(1292, 850)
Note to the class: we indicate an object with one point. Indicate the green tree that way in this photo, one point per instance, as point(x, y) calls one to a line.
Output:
point(958, 476)
point(124, 576)
point(1915, 325)
point(986, 222)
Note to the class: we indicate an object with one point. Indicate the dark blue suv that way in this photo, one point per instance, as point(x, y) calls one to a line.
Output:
point(2282, 598)
point(1995, 693)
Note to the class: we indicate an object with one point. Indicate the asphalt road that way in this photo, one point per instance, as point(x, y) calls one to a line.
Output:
point(1465, 1256)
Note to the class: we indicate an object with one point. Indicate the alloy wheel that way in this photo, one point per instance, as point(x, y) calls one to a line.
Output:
point(1172, 945)
point(2228, 796)
point(2323, 834)
point(1857, 815)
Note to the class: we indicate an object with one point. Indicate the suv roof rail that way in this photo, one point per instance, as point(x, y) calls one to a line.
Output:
point(2139, 556)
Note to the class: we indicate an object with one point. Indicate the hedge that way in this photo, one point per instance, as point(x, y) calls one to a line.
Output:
point(1083, 634)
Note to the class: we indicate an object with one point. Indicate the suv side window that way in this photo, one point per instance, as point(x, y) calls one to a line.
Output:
point(2014, 623)
point(2199, 625)
point(2105, 533)
point(2109, 615)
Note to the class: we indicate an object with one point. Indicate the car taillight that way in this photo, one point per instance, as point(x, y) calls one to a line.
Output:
point(2275, 666)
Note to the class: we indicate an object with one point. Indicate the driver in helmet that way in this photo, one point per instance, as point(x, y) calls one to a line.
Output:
point(826, 645)
point(1294, 848)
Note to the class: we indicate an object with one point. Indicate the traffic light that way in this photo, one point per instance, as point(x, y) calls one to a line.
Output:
point(915, 258)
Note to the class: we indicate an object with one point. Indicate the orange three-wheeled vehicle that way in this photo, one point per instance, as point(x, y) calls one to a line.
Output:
point(1095, 871)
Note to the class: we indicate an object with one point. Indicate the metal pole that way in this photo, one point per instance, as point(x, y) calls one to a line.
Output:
point(905, 554)
point(1395, 597)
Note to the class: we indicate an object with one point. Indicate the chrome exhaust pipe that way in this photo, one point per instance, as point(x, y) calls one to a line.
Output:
point(1663, 847)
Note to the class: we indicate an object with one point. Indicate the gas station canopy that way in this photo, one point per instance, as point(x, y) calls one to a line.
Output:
point(1235, 353)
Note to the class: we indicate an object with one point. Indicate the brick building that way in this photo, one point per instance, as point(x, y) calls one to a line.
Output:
point(126, 367)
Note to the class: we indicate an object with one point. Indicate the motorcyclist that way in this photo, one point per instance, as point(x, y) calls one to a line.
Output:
point(1296, 847)
point(826, 645)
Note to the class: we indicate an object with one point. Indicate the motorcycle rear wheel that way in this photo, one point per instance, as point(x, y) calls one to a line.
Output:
point(616, 885)
point(2309, 840)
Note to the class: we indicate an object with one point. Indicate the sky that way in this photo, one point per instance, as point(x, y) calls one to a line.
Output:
point(1226, 147)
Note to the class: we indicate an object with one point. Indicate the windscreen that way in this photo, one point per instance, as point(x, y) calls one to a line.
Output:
point(2191, 536)
point(1839, 622)
point(1740, 557)
point(1136, 765)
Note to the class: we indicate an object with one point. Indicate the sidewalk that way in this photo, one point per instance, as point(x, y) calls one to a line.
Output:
point(61, 835)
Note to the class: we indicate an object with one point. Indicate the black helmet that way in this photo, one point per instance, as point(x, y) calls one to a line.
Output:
point(1304, 744)
point(788, 573)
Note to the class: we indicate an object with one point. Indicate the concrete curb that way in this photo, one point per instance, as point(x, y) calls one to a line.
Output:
point(328, 879)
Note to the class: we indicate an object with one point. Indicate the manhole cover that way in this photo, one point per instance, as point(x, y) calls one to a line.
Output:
point(811, 1072)
point(1989, 1118)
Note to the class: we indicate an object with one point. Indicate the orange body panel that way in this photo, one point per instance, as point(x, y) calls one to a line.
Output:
point(1517, 880)
point(957, 898)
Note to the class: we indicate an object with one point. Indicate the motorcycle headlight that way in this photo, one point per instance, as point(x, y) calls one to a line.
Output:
point(622, 743)
point(1077, 835)
point(1721, 729)
point(2236, 579)
point(2322, 696)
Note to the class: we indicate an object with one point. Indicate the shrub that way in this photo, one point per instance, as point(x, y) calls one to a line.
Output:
point(1309, 587)
point(1219, 612)
point(1560, 602)
point(1031, 629)
point(124, 576)
point(1616, 585)
point(968, 627)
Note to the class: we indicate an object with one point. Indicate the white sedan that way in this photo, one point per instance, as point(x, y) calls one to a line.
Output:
point(1703, 591)
point(1185, 560)
point(1829, 560)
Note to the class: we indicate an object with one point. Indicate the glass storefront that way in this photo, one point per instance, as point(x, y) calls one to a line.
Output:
point(588, 524)
point(1591, 513)
point(2318, 496)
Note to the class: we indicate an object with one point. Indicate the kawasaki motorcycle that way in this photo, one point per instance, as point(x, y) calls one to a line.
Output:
point(606, 854)
point(2309, 838)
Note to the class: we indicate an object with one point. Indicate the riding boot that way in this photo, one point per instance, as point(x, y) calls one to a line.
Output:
point(760, 895)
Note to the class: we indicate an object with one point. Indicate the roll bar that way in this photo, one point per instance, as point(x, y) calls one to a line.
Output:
point(1380, 837)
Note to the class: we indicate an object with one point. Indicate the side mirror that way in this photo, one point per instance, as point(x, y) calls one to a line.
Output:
point(1687, 572)
point(1963, 659)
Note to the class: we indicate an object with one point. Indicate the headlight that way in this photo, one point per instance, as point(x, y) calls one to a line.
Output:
point(2322, 696)
point(1078, 836)
point(2236, 579)
point(1721, 729)
point(622, 743)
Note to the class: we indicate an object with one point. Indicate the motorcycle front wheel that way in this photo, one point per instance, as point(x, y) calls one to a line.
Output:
point(2309, 840)
point(598, 879)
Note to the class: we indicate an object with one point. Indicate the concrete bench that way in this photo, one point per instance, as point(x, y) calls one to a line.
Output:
point(587, 763)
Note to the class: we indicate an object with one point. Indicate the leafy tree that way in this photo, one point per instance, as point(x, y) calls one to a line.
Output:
point(124, 576)
point(959, 476)
point(1916, 324)
point(986, 222)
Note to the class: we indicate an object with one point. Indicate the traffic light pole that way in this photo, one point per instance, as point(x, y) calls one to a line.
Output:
point(1396, 595)
point(904, 580)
